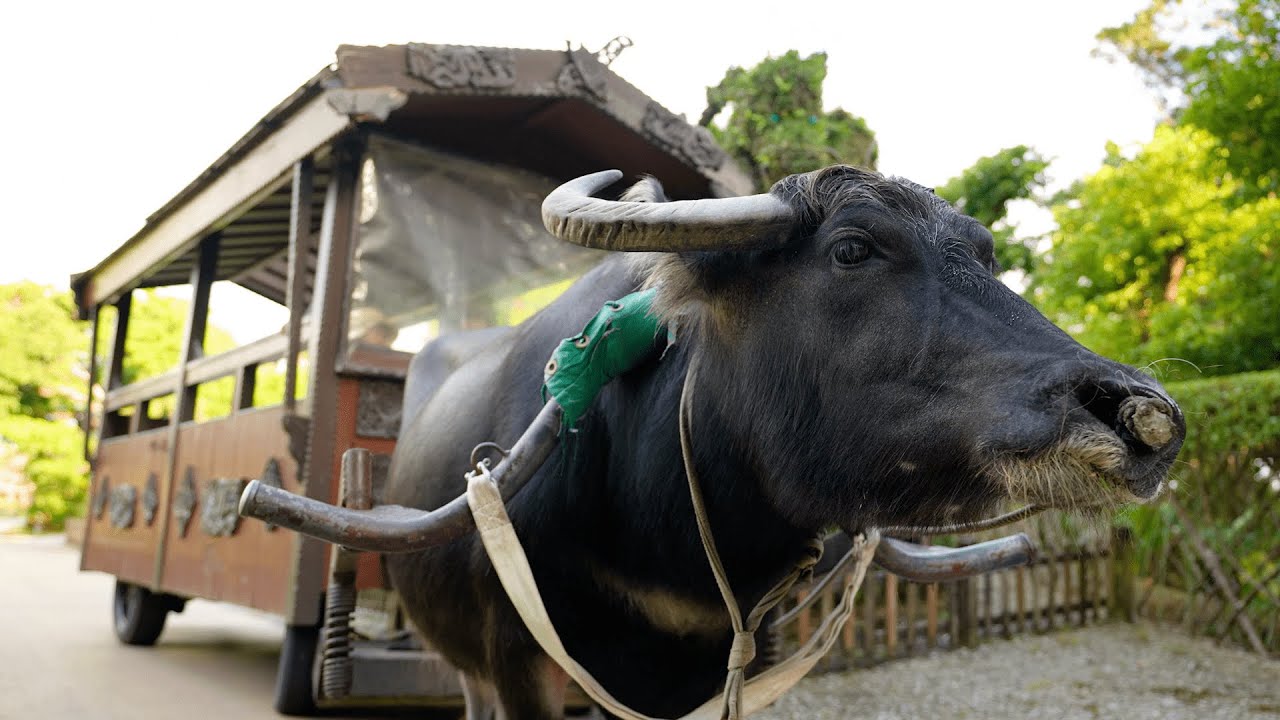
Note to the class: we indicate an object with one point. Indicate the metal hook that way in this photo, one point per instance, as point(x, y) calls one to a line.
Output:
point(475, 451)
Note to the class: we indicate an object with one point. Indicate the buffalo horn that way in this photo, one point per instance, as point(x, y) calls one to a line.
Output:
point(738, 223)
point(393, 528)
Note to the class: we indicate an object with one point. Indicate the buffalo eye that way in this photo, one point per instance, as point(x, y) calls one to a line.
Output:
point(849, 252)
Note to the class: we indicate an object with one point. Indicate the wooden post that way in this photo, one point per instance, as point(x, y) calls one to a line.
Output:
point(826, 604)
point(931, 615)
point(913, 615)
point(1065, 561)
point(988, 610)
point(1086, 590)
point(1007, 617)
point(1220, 579)
point(301, 244)
point(1051, 606)
point(246, 380)
point(1020, 584)
point(1124, 570)
point(804, 624)
point(114, 377)
point(87, 422)
point(115, 365)
point(306, 580)
point(869, 615)
point(203, 274)
point(891, 615)
point(966, 612)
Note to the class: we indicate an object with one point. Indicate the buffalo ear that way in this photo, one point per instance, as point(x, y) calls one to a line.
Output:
point(649, 189)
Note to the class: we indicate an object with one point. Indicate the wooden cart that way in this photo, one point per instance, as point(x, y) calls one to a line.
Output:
point(345, 206)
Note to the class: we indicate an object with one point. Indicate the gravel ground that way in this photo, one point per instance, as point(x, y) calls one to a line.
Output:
point(1126, 672)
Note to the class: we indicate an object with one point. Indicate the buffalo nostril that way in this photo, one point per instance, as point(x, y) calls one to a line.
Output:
point(1149, 419)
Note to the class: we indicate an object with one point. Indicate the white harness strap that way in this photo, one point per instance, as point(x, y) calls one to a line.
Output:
point(739, 698)
point(512, 566)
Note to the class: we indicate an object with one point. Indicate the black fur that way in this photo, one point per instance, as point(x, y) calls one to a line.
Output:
point(829, 396)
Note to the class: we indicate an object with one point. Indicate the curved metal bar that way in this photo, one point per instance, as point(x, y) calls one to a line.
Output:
point(927, 563)
point(393, 528)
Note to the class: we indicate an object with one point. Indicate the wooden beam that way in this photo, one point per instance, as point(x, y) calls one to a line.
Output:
point(202, 277)
point(115, 371)
point(255, 353)
point(114, 376)
point(246, 380)
point(133, 393)
point(86, 424)
point(301, 245)
point(328, 304)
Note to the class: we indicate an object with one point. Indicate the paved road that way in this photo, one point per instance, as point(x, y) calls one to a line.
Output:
point(59, 658)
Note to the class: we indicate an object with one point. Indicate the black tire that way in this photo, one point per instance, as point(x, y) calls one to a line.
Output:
point(138, 613)
point(293, 675)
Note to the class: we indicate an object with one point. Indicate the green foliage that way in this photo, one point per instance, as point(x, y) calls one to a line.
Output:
point(42, 384)
point(154, 341)
point(1223, 78)
point(1151, 261)
point(44, 379)
point(1237, 414)
point(1232, 85)
point(54, 463)
point(985, 190)
point(1225, 479)
point(777, 126)
point(1144, 41)
point(42, 349)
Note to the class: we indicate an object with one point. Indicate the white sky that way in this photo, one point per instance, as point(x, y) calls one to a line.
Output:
point(110, 108)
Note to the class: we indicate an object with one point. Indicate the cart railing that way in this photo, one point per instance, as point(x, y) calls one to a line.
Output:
point(241, 363)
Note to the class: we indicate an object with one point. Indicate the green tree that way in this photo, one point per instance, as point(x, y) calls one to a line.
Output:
point(42, 384)
point(777, 126)
point(44, 378)
point(1152, 261)
point(42, 349)
point(984, 191)
point(1221, 76)
point(154, 343)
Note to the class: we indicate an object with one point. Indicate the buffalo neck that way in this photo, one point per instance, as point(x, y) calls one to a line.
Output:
point(647, 530)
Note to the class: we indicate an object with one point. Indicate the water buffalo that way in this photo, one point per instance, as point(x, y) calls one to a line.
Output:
point(861, 366)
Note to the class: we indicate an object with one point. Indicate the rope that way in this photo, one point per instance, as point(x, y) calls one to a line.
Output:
point(743, 650)
point(740, 698)
point(1008, 518)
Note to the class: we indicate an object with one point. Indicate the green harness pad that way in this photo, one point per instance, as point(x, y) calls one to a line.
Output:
point(615, 340)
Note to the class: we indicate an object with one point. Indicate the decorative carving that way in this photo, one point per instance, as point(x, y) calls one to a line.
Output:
point(613, 49)
point(271, 478)
point(693, 143)
point(150, 499)
point(123, 501)
point(220, 509)
point(297, 427)
point(271, 474)
point(100, 497)
point(366, 104)
point(449, 67)
point(378, 408)
point(583, 75)
point(381, 471)
point(184, 502)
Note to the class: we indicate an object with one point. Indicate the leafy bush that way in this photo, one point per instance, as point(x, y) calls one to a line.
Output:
point(1227, 484)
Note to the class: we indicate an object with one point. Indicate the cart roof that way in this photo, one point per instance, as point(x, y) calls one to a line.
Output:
point(558, 113)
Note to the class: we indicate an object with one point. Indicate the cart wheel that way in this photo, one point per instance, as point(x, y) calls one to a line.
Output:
point(139, 614)
point(293, 675)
